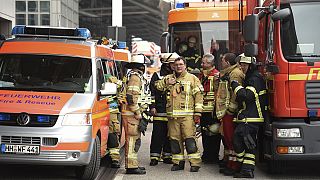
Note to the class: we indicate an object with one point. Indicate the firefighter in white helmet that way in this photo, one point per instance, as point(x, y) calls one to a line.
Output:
point(184, 107)
point(160, 145)
point(253, 100)
point(135, 94)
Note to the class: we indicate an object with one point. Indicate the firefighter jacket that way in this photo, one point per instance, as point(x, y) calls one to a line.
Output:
point(209, 82)
point(185, 96)
point(251, 97)
point(136, 93)
point(113, 100)
point(160, 98)
point(225, 99)
point(193, 59)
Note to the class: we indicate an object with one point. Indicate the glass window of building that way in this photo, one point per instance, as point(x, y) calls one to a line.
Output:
point(33, 19)
point(33, 6)
point(45, 19)
point(21, 19)
point(20, 6)
point(44, 6)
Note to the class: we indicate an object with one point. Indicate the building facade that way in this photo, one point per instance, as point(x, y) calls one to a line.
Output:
point(59, 13)
point(7, 16)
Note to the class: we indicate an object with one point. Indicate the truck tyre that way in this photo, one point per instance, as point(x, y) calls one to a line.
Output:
point(90, 171)
point(276, 167)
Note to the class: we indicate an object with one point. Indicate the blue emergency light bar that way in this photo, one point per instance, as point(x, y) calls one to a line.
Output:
point(180, 5)
point(82, 33)
point(43, 119)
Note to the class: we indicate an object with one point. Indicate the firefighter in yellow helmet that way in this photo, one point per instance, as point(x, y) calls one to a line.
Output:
point(160, 145)
point(114, 125)
point(253, 100)
point(184, 107)
point(134, 85)
point(226, 107)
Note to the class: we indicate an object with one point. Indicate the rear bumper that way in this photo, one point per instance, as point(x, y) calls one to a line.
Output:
point(310, 140)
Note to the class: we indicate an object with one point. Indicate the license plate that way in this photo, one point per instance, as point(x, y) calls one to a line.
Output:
point(295, 149)
point(20, 149)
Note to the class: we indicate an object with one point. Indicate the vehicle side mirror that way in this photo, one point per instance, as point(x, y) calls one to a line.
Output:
point(251, 28)
point(108, 89)
point(164, 42)
point(2, 37)
point(281, 14)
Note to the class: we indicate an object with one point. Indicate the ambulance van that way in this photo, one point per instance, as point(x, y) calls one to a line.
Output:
point(54, 99)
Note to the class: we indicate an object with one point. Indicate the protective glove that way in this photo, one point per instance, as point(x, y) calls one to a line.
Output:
point(234, 84)
point(143, 124)
point(225, 77)
point(196, 119)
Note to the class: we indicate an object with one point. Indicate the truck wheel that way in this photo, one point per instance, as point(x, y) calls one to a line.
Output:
point(90, 171)
point(276, 167)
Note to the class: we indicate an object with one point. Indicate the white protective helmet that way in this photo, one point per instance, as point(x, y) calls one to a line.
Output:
point(169, 57)
point(139, 58)
point(246, 59)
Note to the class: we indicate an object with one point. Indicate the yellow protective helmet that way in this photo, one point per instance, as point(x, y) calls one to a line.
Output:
point(169, 57)
point(246, 59)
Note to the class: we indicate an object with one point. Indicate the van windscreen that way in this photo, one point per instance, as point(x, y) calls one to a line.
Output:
point(45, 73)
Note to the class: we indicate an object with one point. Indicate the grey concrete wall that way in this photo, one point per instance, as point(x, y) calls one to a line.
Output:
point(7, 16)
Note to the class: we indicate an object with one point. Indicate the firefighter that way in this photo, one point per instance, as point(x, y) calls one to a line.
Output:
point(184, 107)
point(192, 55)
point(160, 145)
point(134, 124)
point(252, 97)
point(226, 108)
point(114, 126)
point(210, 139)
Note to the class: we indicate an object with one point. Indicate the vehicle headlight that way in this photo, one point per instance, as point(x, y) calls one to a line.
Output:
point(289, 133)
point(77, 120)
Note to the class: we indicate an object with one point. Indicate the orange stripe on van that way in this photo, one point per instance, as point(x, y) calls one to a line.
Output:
point(45, 48)
point(81, 146)
point(104, 53)
point(121, 55)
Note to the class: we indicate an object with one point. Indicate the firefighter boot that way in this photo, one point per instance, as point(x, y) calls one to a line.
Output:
point(177, 167)
point(194, 168)
point(228, 172)
point(167, 161)
point(135, 171)
point(153, 162)
point(244, 174)
point(115, 164)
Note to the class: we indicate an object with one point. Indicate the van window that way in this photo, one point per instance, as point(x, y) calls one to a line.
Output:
point(45, 73)
point(100, 77)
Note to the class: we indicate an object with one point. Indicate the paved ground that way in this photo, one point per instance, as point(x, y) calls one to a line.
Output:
point(207, 172)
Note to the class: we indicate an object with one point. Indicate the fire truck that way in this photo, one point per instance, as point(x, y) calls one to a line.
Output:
point(211, 23)
point(283, 37)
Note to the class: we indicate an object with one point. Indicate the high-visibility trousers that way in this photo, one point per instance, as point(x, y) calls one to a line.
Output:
point(244, 155)
point(114, 132)
point(133, 141)
point(182, 130)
